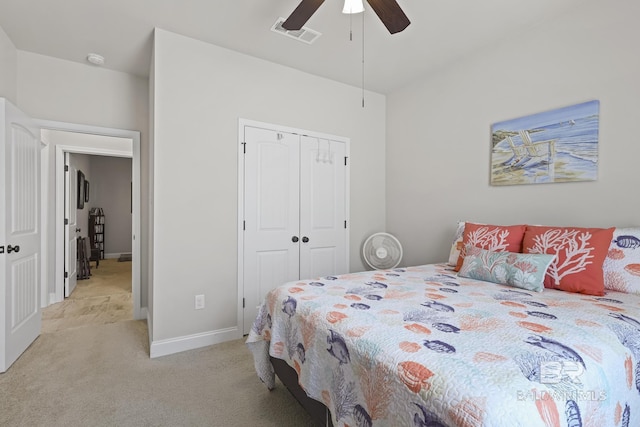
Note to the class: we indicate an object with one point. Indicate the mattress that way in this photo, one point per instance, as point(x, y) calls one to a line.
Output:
point(421, 346)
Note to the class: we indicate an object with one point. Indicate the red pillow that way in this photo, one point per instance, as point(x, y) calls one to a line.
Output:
point(495, 238)
point(580, 253)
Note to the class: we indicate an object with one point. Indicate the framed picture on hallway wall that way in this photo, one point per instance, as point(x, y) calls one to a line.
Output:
point(80, 190)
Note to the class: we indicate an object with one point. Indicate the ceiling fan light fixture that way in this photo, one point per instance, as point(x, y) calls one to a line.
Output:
point(353, 6)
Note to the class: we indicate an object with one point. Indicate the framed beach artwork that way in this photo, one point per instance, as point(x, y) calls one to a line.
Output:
point(559, 145)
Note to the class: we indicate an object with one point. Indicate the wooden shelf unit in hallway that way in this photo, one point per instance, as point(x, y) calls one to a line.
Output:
point(96, 234)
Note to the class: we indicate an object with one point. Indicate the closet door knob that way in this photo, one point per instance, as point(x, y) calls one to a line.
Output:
point(305, 239)
point(294, 239)
point(15, 248)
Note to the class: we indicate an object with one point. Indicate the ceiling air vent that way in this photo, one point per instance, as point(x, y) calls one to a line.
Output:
point(304, 34)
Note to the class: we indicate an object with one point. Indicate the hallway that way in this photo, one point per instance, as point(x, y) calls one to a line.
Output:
point(103, 298)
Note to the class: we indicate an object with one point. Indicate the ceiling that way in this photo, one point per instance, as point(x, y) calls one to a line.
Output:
point(121, 31)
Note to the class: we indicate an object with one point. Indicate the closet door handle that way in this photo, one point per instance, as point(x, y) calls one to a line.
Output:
point(15, 248)
point(294, 239)
point(305, 239)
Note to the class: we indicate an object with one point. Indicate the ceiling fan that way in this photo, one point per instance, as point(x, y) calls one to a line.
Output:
point(388, 11)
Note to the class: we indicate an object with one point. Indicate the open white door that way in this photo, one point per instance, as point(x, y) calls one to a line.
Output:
point(70, 226)
point(21, 320)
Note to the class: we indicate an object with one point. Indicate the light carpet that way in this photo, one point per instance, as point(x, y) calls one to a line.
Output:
point(101, 375)
point(91, 367)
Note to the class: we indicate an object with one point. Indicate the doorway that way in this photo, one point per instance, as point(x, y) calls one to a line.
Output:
point(80, 139)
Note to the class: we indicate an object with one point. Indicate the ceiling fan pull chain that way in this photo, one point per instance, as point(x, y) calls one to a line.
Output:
point(351, 27)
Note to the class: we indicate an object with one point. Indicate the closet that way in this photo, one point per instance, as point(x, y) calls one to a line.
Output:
point(294, 210)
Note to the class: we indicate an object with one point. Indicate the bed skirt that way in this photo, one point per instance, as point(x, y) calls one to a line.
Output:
point(289, 378)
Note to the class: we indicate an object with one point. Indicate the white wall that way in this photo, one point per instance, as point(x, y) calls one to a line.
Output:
point(439, 137)
point(199, 94)
point(55, 89)
point(149, 175)
point(8, 68)
point(110, 189)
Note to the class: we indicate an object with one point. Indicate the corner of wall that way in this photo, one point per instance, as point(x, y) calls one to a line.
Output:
point(9, 68)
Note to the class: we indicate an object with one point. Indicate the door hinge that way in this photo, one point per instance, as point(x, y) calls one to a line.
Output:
point(244, 147)
point(66, 275)
point(66, 168)
point(345, 224)
point(345, 160)
point(242, 302)
point(244, 225)
point(66, 221)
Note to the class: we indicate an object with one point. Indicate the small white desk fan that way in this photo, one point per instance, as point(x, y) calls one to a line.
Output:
point(382, 251)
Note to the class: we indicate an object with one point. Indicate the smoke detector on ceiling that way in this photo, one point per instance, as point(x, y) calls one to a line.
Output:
point(304, 34)
point(95, 59)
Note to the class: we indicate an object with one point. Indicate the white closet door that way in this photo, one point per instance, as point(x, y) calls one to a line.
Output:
point(322, 208)
point(271, 203)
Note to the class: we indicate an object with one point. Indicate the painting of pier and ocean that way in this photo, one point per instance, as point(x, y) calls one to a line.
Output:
point(554, 146)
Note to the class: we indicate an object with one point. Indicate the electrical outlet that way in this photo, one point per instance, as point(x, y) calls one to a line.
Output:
point(199, 302)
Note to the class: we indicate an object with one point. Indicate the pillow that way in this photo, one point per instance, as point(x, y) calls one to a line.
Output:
point(454, 253)
point(621, 267)
point(497, 238)
point(579, 255)
point(524, 271)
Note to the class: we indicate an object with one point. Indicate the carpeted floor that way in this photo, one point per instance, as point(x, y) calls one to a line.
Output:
point(101, 375)
point(91, 367)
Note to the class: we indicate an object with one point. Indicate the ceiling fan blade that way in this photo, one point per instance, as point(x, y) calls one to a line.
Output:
point(301, 15)
point(390, 14)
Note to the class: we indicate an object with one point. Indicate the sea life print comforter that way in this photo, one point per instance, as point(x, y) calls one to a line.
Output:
point(421, 346)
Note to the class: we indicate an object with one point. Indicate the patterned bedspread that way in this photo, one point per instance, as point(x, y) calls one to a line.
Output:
point(422, 347)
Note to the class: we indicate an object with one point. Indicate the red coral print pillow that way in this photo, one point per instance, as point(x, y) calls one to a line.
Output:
point(494, 238)
point(580, 253)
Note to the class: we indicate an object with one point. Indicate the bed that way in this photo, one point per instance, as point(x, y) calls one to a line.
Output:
point(426, 346)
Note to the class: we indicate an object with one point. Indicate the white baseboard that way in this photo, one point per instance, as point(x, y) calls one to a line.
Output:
point(190, 342)
point(116, 255)
point(52, 299)
point(149, 329)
